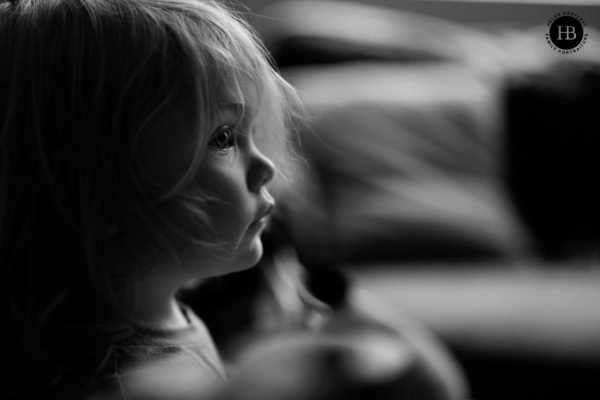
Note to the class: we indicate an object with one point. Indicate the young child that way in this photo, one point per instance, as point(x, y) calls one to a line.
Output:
point(133, 142)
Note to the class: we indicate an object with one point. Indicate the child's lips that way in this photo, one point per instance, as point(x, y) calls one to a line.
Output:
point(265, 212)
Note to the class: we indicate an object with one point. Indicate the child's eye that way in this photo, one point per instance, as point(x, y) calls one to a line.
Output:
point(222, 138)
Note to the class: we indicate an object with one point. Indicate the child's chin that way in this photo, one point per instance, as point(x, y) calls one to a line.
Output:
point(255, 252)
point(250, 256)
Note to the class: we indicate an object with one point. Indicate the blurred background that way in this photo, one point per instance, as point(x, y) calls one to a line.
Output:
point(450, 167)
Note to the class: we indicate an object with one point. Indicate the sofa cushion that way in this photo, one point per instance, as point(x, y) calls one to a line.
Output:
point(405, 165)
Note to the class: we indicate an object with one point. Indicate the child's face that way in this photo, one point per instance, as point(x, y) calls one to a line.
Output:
point(233, 171)
point(236, 172)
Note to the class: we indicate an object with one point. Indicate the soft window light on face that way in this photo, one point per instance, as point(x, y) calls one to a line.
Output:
point(233, 174)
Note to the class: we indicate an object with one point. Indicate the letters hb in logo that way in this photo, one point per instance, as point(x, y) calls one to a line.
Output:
point(566, 32)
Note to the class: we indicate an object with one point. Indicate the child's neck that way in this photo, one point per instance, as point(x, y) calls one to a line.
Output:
point(163, 315)
point(151, 301)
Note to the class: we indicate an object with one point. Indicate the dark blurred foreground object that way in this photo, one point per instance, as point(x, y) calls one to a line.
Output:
point(362, 365)
point(324, 343)
point(553, 142)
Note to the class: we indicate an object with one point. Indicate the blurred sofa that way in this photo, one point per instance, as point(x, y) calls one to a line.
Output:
point(421, 180)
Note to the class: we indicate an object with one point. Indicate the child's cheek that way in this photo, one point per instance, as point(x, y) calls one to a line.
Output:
point(232, 212)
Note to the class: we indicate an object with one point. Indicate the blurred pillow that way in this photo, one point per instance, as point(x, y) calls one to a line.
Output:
point(405, 164)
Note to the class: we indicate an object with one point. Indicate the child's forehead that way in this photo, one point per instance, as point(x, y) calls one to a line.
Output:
point(243, 97)
point(239, 109)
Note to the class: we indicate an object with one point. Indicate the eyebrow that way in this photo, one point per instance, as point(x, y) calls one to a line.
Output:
point(239, 109)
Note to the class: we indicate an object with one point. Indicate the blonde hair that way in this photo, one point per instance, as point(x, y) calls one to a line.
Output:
point(82, 83)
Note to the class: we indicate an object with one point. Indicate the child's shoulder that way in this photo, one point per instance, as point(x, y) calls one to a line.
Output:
point(160, 363)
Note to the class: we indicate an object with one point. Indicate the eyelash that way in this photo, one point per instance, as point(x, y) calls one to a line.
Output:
point(220, 142)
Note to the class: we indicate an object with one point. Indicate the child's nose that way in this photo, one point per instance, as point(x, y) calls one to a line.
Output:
point(262, 171)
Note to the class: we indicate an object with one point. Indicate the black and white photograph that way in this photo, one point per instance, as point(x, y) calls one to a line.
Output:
point(300, 199)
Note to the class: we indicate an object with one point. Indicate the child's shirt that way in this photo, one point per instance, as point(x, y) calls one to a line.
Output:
point(160, 363)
